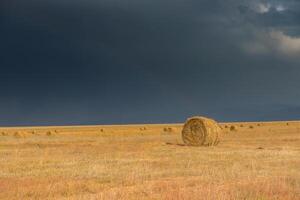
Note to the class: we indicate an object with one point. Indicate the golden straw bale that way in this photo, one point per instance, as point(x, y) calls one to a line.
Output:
point(201, 131)
point(168, 129)
point(233, 128)
point(20, 134)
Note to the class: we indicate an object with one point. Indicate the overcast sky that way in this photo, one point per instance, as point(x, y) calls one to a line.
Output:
point(148, 61)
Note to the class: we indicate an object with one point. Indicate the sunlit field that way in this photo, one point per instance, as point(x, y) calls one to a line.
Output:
point(253, 161)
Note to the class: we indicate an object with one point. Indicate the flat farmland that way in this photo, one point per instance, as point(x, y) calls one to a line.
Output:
point(254, 160)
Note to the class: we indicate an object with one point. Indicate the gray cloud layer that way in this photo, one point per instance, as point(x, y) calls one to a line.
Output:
point(135, 61)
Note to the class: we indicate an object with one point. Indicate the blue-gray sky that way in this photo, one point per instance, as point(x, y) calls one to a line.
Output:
point(137, 61)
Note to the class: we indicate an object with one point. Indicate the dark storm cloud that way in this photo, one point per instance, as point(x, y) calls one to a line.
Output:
point(146, 61)
point(276, 15)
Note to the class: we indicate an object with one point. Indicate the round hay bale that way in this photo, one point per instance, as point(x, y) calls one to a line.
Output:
point(168, 129)
point(20, 134)
point(201, 131)
point(233, 128)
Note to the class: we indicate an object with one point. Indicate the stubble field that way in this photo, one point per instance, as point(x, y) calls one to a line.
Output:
point(253, 161)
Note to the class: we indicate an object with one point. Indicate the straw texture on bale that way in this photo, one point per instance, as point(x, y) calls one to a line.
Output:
point(201, 131)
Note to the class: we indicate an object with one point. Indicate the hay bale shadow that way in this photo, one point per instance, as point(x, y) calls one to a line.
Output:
point(176, 144)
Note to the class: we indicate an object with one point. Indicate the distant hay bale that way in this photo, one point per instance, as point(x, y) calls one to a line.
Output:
point(3, 133)
point(241, 125)
point(251, 127)
point(233, 128)
point(287, 124)
point(20, 134)
point(48, 133)
point(101, 130)
point(226, 126)
point(258, 124)
point(168, 129)
point(143, 128)
point(201, 131)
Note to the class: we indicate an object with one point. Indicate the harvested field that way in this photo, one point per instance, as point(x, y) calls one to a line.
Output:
point(146, 162)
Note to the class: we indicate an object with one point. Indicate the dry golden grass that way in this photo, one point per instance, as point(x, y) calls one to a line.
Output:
point(146, 162)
